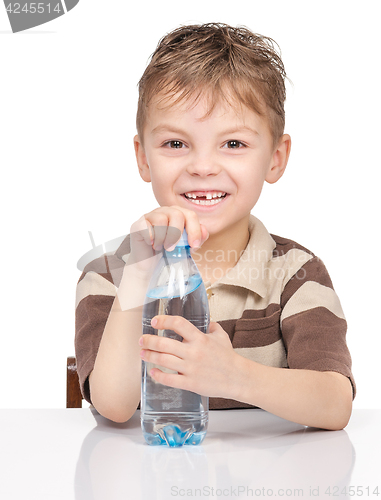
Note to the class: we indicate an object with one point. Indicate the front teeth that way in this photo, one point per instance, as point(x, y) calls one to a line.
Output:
point(210, 198)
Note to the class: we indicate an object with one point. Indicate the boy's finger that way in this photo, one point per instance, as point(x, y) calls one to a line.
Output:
point(161, 344)
point(163, 360)
point(158, 224)
point(178, 324)
point(168, 223)
point(192, 226)
point(142, 230)
point(170, 379)
point(176, 223)
point(140, 242)
point(160, 220)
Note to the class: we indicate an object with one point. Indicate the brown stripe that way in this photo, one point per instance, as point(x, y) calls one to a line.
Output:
point(284, 245)
point(229, 326)
point(258, 328)
point(225, 404)
point(313, 270)
point(260, 313)
point(309, 332)
point(315, 340)
point(90, 321)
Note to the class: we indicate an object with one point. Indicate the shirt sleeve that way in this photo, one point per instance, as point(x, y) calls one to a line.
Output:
point(313, 323)
point(95, 293)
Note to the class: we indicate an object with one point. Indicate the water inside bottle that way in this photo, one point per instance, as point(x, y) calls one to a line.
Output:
point(171, 416)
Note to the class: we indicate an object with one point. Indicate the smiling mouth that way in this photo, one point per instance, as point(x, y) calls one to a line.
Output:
point(205, 197)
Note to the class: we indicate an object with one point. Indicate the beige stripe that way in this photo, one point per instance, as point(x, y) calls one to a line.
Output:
point(269, 355)
point(230, 302)
point(93, 284)
point(311, 295)
point(288, 264)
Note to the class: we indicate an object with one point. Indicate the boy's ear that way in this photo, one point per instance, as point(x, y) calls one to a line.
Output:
point(141, 159)
point(279, 159)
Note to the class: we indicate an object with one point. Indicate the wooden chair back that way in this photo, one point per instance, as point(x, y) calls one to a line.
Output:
point(73, 391)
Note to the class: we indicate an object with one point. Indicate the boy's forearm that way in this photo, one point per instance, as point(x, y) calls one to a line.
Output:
point(307, 397)
point(115, 379)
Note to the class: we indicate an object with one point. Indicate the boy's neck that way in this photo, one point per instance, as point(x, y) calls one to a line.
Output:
point(222, 250)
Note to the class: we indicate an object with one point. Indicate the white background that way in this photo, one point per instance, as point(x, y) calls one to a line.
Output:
point(68, 93)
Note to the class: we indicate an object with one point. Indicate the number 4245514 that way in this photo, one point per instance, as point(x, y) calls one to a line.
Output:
point(357, 491)
point(33, 8)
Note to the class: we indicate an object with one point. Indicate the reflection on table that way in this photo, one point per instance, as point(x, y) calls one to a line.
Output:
point(78, 454)
point(246, 452)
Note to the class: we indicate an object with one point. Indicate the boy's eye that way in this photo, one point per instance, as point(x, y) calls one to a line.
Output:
point(175, 144)
point(233, 144)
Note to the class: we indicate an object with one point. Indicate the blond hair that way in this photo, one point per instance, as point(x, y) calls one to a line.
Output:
point(220, 62)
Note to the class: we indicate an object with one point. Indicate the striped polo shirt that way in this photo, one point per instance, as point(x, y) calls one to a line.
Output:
point(277, 304)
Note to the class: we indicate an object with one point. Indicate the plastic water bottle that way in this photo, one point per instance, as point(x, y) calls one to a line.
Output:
point(172, 416)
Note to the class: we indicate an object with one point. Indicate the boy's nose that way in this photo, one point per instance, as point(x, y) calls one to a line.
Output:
point(203, 166)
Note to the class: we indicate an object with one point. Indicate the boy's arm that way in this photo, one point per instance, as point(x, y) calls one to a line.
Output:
point(307, 397)
point(115, 379)
point(208, 364)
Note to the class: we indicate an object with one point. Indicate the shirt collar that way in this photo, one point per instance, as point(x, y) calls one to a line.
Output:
point(250, 270)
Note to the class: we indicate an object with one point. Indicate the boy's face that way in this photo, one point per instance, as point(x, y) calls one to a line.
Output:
point(215, 166)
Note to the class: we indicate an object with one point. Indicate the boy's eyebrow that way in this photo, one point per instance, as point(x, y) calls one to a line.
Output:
point(167, 128)
point(240, 129)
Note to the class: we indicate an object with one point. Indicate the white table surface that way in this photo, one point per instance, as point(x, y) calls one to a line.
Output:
point(77, 454)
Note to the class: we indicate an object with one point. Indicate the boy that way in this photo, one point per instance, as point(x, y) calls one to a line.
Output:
point(210, 128)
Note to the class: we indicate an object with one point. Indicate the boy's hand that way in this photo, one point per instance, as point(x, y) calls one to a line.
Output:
point(174, 218)
point(205, 362)
point(162, 228)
